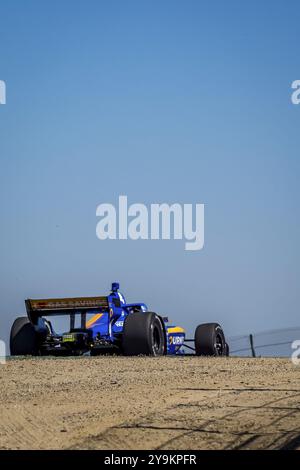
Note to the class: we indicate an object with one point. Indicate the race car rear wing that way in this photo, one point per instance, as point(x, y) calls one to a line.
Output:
point(69, 306)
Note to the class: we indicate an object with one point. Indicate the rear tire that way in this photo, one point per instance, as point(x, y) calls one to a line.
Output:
point(143, 334)
point(210, 340)
point(23, 338)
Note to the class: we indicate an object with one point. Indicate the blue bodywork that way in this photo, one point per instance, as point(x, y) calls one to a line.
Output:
point(107, 325)
point(102, 322)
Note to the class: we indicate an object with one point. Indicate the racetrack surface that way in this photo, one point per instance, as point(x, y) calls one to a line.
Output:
point(149, 403)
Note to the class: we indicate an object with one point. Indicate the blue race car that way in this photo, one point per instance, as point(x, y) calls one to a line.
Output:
point(108, 325)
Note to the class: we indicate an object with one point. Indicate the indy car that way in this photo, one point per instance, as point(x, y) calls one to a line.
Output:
point(108, 325)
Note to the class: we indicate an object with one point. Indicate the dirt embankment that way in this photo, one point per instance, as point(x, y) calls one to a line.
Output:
point(149, 403)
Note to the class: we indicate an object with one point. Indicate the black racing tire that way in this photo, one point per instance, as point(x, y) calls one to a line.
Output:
point(210, 340)
point(143, 334)
point(23, 338)
point(227, 350)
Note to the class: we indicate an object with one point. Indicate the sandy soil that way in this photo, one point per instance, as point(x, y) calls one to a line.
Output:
point(149, 403)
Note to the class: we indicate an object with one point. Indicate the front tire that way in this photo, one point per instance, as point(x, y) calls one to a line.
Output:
point(23, 338)
point(143, 335)
point(210, 340)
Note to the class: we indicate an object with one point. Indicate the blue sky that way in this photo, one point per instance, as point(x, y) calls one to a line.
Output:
point(163, 101)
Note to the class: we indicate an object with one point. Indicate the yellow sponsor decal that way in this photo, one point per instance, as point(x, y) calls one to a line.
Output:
point(68, 339)
point(176, 329)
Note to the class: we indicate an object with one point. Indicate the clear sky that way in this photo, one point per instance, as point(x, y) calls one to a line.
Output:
point(163, 101)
